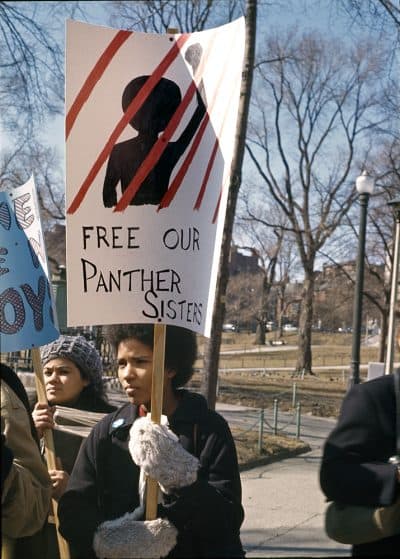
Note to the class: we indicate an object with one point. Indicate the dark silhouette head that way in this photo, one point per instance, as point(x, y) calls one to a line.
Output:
point(159, 107)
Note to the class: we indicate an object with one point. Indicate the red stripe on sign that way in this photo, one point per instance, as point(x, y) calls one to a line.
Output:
point(176, 183)
point(135, 105)
point(156, 151)
point(94, 76)
point(224, 185)
point(213, 155)
point(207, 175)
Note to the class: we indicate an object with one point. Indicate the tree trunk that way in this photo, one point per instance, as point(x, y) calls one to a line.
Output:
point(212, 347)
point(262, 318)
point(383, 336)
point(260, 334)
point(304, 359)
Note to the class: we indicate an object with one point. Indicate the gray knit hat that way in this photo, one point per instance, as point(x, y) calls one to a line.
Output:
point(78, 350)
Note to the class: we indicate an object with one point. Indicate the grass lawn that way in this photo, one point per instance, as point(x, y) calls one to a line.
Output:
point(320, 394)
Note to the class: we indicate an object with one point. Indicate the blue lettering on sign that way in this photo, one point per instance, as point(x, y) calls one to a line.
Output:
point(12, 306)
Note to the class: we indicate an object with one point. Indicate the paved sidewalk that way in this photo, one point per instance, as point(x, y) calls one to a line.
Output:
point(284, 511)
point(284, 506)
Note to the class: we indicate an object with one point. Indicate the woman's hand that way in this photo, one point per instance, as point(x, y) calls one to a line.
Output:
point(59, 479)
point(43, 417)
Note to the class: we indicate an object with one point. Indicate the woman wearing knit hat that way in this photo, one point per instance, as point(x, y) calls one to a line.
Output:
point(72, 370)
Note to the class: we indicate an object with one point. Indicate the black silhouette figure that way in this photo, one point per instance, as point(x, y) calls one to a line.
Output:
point(151, 119)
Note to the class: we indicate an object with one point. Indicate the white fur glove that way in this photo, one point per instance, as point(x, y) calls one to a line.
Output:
point(124, 538)
point(157, 450)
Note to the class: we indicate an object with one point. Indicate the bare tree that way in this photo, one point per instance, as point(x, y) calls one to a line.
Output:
point(242, 297)
point(158, 15)
point(31, 95)
point(376, 13)
point(18, 164)
point(379, 240)
point(31, 69)
point(327, 99)
point(284, 295)
point(266, 243)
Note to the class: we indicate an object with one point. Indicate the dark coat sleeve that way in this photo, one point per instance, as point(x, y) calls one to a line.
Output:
point(354, 467)
point(211, 508)
point(78, 510)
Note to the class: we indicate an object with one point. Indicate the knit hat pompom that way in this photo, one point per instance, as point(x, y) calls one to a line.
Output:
point(78, 350)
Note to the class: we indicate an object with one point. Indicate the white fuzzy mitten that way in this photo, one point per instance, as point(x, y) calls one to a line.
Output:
point(157, 450)
point(124, 538)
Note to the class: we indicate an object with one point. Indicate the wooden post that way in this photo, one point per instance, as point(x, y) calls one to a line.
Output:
point(49, 445)
point(157, 390)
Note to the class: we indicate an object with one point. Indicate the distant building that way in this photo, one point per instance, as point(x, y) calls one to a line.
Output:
point(240, 263)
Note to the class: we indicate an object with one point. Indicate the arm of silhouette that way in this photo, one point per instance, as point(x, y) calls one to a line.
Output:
point(111, 180)
point(193, 57)
point(187, 135)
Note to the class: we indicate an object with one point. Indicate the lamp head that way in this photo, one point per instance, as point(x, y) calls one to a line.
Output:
point(365, 183)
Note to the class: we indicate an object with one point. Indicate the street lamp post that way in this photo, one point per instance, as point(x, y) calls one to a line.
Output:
point(365, 187)
point(393, 290)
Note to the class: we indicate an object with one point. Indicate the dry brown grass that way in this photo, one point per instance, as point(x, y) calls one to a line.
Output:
point(273, 448)
point(319, 395)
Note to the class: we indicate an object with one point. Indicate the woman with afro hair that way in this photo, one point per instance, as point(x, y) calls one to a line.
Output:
point(191, 455)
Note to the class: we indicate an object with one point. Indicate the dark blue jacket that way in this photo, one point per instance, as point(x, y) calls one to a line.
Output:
point(355, 468)
point(104, 483)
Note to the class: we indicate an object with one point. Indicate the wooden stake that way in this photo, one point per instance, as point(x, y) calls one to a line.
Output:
point(49, 445)
point(157, 389)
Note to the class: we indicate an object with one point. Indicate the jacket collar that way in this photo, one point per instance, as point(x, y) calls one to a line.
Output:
point(191, 408)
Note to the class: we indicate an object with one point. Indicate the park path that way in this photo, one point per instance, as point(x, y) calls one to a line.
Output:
point(284, 506)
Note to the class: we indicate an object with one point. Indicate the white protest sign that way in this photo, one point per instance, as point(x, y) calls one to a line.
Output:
point(27, 313)
point(150, 127)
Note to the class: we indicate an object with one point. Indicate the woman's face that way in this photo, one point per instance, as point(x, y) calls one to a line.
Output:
point(63, 381)
point(135, 366)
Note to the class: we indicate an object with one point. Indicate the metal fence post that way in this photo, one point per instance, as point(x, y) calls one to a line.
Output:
point(275, 426)
point(298, 419)
point(294, 395)
point(261, 431)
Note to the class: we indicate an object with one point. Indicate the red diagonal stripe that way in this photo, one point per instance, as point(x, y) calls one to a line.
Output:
point(207, 175)
point(135, 105)
point(172, 190)
point(212, 159)
point(170, 194)
point(214, 219)
point(156, 151)
point(92, 79)
point(224, 185)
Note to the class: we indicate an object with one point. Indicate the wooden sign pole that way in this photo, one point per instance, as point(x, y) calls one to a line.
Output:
point(49, 444)
point(157, 392)
point(157, 389)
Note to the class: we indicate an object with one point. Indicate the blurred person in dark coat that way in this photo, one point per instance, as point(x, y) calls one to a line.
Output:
point(355, 468)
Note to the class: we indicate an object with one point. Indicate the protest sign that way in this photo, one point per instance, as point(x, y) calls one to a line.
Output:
point(150, 127)
point(27, 314)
